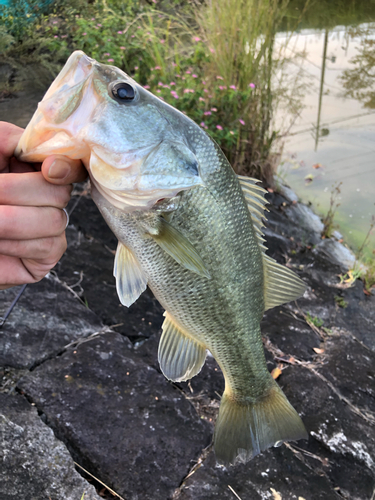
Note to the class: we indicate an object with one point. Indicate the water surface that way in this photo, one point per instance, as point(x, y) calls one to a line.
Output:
point(336, 144)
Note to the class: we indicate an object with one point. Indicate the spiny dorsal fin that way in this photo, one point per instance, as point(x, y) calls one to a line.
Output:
point(254, 196)
point(180, 356)
point(130, 280)
point(281, 285)
point(179, 247)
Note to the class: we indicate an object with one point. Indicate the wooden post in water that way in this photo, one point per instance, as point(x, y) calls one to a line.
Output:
point(317, 132)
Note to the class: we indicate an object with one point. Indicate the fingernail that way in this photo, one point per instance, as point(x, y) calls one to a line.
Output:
point(59, 169)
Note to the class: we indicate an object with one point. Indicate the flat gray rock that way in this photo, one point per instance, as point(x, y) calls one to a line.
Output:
point(34, 464)
point(122, 420)
point(46, 318)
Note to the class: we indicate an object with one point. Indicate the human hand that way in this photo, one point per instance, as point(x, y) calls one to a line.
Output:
point(32, 222)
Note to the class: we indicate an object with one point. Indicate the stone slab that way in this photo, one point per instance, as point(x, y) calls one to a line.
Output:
point(121, 419)
point(46, 318)
point(35, 465)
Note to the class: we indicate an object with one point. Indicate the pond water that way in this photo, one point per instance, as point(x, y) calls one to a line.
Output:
point(332, 140)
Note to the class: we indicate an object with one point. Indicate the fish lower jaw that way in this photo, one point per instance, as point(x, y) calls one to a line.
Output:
point(132, 201)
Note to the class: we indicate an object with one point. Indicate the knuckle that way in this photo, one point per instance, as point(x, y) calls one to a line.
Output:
point(63, 195)
point(58, 220)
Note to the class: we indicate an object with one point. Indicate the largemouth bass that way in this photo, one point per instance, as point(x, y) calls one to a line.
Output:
point(187, 227)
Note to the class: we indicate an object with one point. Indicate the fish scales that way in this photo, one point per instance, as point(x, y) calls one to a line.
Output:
point(187, 227)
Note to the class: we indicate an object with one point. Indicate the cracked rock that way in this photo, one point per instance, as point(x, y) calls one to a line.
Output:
point(122, 420)
point(35, 465)
point(46, 318)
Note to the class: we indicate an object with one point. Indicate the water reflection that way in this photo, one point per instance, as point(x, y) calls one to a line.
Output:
point(333, 138)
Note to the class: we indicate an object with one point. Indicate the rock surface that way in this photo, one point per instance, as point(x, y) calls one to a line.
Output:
point(34, 463)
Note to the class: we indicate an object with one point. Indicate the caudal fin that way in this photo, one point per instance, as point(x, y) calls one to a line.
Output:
point(244, 430)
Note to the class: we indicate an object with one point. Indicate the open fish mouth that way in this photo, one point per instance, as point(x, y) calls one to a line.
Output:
point(52, 129)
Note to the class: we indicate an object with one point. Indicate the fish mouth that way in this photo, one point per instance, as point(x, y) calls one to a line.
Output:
point(51, 129)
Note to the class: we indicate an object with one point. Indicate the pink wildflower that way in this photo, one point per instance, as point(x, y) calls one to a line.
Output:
point(110, 60)
point(219, 77)
point(197, 39)
point(241, 121)
point(160, 84)
point(175, 95)
point(122, 48)
point(204, 83)
point(146, 87)
point(177, 76)
point(93, 19)
point(157, 67)
point(54, 22)
point(219, 127)
point(119, 32)
point(158, 91)
point(162, 41)
point(56, 36)
point(212, 51)
point(221, 87)
point(207, 113)
point(84, 34)
point(107, 54)
point(202, 124)
point(194, 76)
point(99, 25)
point(188, 72)
point(64, 36)
point(135, 67)
point(167, 87)
point(214, 109)
point(133, 36)
point(233, 87)
point(172, 83)
point(231, 132)
point(201, 99)
point(252, 85)
point(205, 90)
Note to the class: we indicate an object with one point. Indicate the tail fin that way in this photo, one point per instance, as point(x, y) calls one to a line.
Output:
point(245, 429)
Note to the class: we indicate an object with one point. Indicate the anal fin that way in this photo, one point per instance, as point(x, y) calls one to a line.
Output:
point(180, 356)
point(130, 279)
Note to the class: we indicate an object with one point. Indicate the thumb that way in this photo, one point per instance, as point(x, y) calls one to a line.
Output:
point(63, 170)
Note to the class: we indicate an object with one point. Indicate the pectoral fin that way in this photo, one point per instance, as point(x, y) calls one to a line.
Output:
point(180, 356)
point(179, 247)
point(130, 280)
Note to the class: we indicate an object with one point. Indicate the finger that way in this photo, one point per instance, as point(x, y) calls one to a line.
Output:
point(31, 189)
point(48, 250)
point(28, 223)
point(10, 135)
point(15, 271)
point(63, 170)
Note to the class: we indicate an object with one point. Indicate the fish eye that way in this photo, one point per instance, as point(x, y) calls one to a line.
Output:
point(122, 92)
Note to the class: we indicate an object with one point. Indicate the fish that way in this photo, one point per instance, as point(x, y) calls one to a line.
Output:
point(189, 228)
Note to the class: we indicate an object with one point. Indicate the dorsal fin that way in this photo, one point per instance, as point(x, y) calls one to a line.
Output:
point(281, 285)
